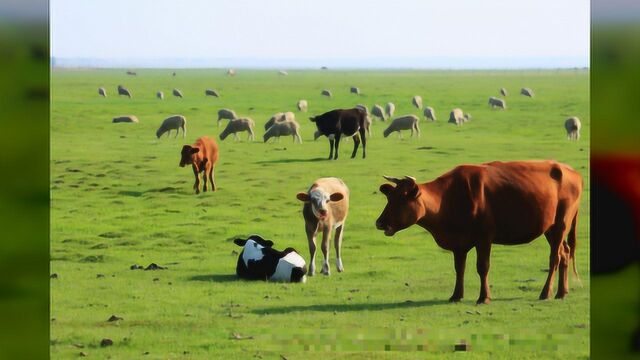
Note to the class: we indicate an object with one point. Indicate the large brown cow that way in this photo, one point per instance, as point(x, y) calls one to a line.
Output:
point(506, 203)
point(202, 157)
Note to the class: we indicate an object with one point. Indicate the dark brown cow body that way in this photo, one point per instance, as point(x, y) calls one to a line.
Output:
point(202, 156)
point(348, 122)
point(505, 203)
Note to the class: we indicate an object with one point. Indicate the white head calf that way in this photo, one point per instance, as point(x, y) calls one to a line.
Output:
point(259, 261)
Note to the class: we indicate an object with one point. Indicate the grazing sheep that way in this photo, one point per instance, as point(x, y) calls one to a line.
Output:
point(211, 92)
point(408, 122)
point(284, 128)
point(238, 125)
point(390, 109)
point(226, 114)
point(132, 73)
point(303, 105)
point(355, 90)
point(417, 101)
point(495, 102)
point(573, 126)
point(175, 122)
point(231, 72)
point(174, 74)
point(458, 117)
point(526, 92)
point(102, 92)
point(177, 93)
point(503, 92)
point(280, 117)
point(125, 119)
point(124, 91)
point(363, 108)
point(160, 95)
point(283, 73)
point(378, 112)
point(326, 92)
point(429, 113)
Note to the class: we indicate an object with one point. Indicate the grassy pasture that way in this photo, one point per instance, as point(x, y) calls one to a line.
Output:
point(119, 198)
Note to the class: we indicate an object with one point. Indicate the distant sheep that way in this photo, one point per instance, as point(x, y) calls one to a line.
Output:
point(573, 126)
point(355, 90)
point(279, 117)
point(417, 101)
point(326, 92)
point(160, 95)
point(495, 102)
point(390, 109)
point(132, 73)
point(102, 92)
point(238, 125)
point(458, 117)
point(211, 92)
point(363, 108)
point(409, 122)
point(226, 114)
point(526, 92)
point(124, 91)
point(378, 112)
point(284, 128)
point(503, 92)
point(231, 72)
point(303, 105)
point(175, 122)
point(177, 93)
point(429, 113)
point(125, 119)
point(283, 73)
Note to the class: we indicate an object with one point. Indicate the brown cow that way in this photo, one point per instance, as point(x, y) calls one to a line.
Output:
point(506, 203)
point(202, 156)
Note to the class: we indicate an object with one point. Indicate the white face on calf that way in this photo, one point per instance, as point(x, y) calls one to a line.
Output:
point(252, 251)
point(319, 199)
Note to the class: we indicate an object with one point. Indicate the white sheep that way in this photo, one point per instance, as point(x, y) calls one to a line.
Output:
point(284, 128)
point(226, 114)
point(417, 101)
point(503, 92)
point(573, 126)
point(303, 105)
point(429, 113)
point(495, 102)
point(175, 122)
point(160, 95)
point(283, 73)
point(408, 122)
point(526, 92)
point(279, 117)
point(102, 91)
point(177, 93)
point(326, 93)
point(211, 92)
point(355, 90)
point(378, 112)
point(238, 125)
point(458, 117)
point(124, 91)
point(125, 119)
point(390, 109)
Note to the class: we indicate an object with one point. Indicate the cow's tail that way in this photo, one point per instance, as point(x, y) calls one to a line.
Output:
point(572, 246)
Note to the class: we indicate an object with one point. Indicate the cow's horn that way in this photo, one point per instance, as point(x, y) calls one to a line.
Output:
point(392, 179)
point(410, 178)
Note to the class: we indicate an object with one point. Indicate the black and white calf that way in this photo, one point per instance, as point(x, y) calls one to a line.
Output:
point(259, 261)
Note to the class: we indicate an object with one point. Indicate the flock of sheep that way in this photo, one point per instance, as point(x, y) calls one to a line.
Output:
point(285, 124)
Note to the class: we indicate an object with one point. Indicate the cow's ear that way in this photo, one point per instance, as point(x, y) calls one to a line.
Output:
point(194, 150)
point(386, 189)
point(336, 197)
point(240, 242)
point(414, 193)
point(304, 197)
point(267, 243)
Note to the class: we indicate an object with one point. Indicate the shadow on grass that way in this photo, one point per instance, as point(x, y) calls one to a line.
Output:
point(215, 278)
point(287, 161)
point(350, 307)
point(167, 190)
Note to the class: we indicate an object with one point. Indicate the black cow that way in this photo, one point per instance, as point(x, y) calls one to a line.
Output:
point(259, 261)
point(348, 122)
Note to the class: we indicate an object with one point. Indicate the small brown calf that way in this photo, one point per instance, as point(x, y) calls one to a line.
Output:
point(202, 157)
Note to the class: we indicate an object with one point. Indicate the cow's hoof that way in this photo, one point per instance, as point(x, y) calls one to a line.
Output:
point(455, 299)
point(561, 295)
point(485, 301)
point(543, 296)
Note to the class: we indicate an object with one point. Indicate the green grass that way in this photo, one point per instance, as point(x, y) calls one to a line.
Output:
point(119, 198)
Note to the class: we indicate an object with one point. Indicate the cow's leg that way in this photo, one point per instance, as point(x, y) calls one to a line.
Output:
point(204, 177)
point(311, 230)
point(563, 271)
point(555, 237)
point(483, 261)
point(338, 245)
point(356, 143)
point(337, 145)
point(460, 261)
point(196, 185)
point(213, 184)
point(326, 235)
point(331, 146)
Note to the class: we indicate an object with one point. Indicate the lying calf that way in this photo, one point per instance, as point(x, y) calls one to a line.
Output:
point(259, 261)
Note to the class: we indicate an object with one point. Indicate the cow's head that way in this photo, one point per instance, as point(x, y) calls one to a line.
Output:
point(253, 248)
point(319, 199)
point(186, 155)
point(403, 205)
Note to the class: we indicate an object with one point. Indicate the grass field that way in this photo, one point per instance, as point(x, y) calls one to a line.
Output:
point(118, 198)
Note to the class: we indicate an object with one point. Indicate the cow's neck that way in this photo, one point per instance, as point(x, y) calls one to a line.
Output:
point(430, 198)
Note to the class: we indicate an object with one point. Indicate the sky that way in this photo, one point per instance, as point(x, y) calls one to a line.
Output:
point(306, 33)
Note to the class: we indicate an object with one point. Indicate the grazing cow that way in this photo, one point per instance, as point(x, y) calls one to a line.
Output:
point(573, 126)
point(175, 122)
point(417, 101)
point(125, 119)
point(160, 95)
point(349, 122)
point(495, 102)
point(124, 91)
point(503, 92)
point(202, 157)
point(526, 92)
point(390, 109)
point(354, 90)
point(408, 122)
point(177, 93)
point(326, 205)
point(102, 92)
point(238, 125)
point(303, 105)
point(378, 112)
point(260, 261)
point(211, 92)
point(429, 113)
point(226, 114)
point(506, 203)
point(326, 93)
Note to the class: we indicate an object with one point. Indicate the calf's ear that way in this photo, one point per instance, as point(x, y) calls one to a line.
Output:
point(336, 196)
point(194, 150)
point(304, 197)
point(240, 242)
point(386, 189)
point(268, 243)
